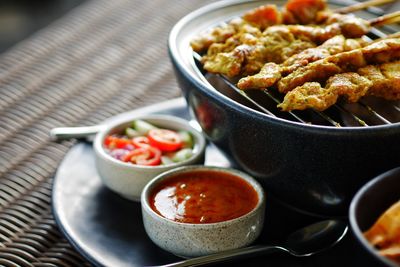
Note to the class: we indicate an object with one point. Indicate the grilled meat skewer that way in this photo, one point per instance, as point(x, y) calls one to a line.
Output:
point(293, 12)
point(320, 70)
point(260, 17)
point(276, 44)
point(270, 73)
point(381, 80)
point(361, 6)
point(252, 49)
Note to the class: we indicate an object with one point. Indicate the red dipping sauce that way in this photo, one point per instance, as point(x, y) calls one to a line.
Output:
point(203, 197)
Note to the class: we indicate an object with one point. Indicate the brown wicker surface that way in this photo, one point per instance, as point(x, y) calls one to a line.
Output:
point(102, 58)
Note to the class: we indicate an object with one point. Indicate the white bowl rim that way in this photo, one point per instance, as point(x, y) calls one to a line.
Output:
point(184, 169)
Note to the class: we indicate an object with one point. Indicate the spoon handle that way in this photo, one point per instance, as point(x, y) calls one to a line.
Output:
point(62, 133)
point(227, 255)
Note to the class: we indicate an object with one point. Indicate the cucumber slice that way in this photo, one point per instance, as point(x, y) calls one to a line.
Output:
point(131, 133)
point(183, 154)
point(166, 160)
point(142, 127)
point(186, 138)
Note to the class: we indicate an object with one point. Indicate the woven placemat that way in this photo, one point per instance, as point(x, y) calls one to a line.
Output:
point(102, 58)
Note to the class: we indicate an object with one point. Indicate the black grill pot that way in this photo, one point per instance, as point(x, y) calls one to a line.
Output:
point(315, 169)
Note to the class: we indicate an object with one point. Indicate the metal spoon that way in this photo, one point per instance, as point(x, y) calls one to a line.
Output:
point(304, 242)
point(62, 133)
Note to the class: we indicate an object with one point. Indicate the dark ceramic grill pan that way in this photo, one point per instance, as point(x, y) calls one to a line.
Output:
point(311, 161)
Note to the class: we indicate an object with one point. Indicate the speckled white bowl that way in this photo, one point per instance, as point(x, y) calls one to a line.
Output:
point(190, 240)
point(128, 179)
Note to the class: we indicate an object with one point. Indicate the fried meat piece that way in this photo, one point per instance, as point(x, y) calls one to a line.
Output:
point(385, 233)
point(385, 78)
point(350, 24)
point(218, 34)
point(230, 63)
point(302, 11)
point(263, 16)
point(313, 95)
point(247, 34)
point(320, 70)
point(332, 46)
point(310, 95)
point(380, 80)
point(267, 77)
point(320, 33)
point(317, 71)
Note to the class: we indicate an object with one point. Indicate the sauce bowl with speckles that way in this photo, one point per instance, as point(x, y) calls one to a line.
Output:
point(198, 210)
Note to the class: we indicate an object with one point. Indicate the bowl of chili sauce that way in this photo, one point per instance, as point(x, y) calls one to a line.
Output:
point(129, 153)
point(198, 210)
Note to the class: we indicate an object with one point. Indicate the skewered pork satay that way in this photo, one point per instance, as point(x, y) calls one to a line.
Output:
point(217, 35)
point(385, 78)
point(256, 19)
point(380, 80)
point(276, 44)
point(349, 26)
point(247, 35)
point(247, 51)
point(270, 73)
point(294, 12)
point(317, 12)
point(260, 17)
point(332, 46)
point(320, 70)
point(361, 5)
point(249, 57)
point(328, 24)
point(313, 95)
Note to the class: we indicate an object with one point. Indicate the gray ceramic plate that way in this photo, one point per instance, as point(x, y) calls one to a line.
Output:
point(108, 231)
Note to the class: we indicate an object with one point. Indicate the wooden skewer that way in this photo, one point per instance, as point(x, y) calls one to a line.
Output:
point(386, 19)
point(360, 6)
point(393, 35)
point(389, 36)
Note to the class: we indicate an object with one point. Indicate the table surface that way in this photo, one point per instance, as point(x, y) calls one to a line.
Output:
point(69, 63)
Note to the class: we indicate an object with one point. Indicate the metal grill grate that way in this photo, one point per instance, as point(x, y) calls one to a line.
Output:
point(369, 111)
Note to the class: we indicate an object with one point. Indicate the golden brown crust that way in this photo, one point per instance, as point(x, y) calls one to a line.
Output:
point(378, 80)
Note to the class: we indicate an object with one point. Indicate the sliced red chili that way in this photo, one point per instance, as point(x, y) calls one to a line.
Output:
point(165, 140)
point(147, 156)
point(117, 142)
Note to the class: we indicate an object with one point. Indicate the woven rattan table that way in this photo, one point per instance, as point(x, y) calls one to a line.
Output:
point(100, 59)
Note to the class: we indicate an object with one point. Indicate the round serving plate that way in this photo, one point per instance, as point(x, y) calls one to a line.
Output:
point(108, 230)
